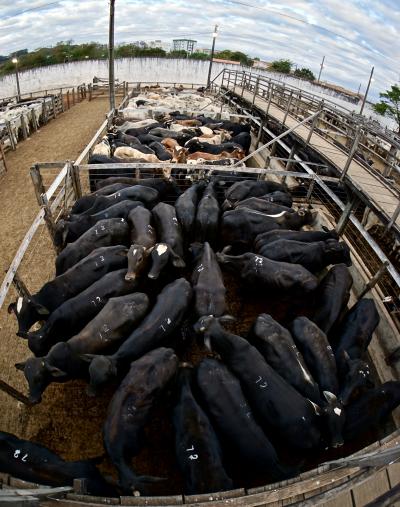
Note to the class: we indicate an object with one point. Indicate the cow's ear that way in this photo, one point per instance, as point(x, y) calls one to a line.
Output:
point(330, 397)
point(316, 408)
point(20, 366)
point(42, 310)
point(55, 372)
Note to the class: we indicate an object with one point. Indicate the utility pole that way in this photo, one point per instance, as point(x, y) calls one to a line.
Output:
point(15, 62)
point(320, 70)
point(359, 88)
point(215, 33)
point(111, 79)
point(366, 91)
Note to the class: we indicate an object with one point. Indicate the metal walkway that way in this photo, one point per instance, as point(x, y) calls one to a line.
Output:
point(370, 185)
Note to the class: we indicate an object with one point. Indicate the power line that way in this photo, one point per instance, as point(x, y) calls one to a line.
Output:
point(38, 7)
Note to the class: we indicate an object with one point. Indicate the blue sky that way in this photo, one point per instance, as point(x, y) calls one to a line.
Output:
point(353, 35)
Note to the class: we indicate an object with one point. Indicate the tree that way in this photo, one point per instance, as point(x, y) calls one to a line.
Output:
point(390, 105)
point(304, 74)
point(283, 66)
point(235, 56)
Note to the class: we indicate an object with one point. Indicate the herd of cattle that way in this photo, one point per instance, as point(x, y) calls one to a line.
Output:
point(143, 276)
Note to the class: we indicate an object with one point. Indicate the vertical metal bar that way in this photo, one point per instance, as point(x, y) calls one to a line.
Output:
point(269, 99)
point(310, 189)
point(374, 280)
point(344, 217)
point(111, 78)
point(255, 90)
point(352, 152)
point(68, 104)
point(243, 83)
point(37, 181)
point(394, 217)
point(288, 107)
point(314, 123)
point(76, 181)
point(289, 163)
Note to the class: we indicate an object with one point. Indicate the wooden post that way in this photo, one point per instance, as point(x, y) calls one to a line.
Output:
point(352, 152)
point(68, 104)
point(243, 83)
point(76, 182)
point(90, 92)
point(288, 107)
point(62, 101)
point(73, 96)
point(53, 106)
point(344, 218)
point(37, 181)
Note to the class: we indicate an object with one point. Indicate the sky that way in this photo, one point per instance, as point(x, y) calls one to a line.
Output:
point(353, 35)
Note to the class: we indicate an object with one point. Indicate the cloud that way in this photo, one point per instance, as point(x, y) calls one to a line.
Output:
point(353, 35)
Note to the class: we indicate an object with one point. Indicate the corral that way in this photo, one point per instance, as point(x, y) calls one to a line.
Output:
point(55, 195)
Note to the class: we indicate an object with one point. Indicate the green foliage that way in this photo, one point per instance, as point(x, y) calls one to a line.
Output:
point(198, 55)
point(283, 66)
point(236, 56)
point(178, 53)
point(390, 104)
point(304, 74)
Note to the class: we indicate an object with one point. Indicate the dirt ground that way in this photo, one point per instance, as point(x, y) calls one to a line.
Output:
point(61, 139)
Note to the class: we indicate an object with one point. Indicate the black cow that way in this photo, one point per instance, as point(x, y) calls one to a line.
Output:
point(207, 217)
point(313, 256)
point(244, 139)
point(76, 312)
point(161, 152)
point(64, 362)
point(278, 197)
point(162, 185)
point(130, 409)
point(149, 196)
point(242, 225)
point(34, 462)
point(109, 232)
point(232, 127)
point(262, 205)
point(303, 236)
point(332, 296)
point(258, 271)
point(169, 231)
point(86, 202)
point(139, 131)
point(148, 139)
point(371, 409)
point(355, 377)
point(208, 285)
point(127, 139)
point(186, 207)
point(143, 239)
point(279, 350)
point(252, 188)
point(165, 317)
point(54, 293)
point(319, 357)
point(196, 445)
point(278, 405)
point(195, 145)
point(234, 420)
point(68, 231)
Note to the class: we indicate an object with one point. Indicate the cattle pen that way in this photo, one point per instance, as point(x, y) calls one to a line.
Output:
point(285, 124)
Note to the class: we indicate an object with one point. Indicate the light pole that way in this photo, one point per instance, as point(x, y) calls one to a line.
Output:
point(15, 62)
point(320, 70)
point(215, 33)
point(111, 79)
point(366, 91)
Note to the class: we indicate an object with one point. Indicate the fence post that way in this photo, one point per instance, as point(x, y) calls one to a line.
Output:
point(288, 107)
point(33, 120)
point(53, 105)
point(68, 104)
point(314, 122)
point(243, 83)
point(292, 153)
point(62, 101)
point(374, 280)
point(344, 217)
point(37, 181)
point(73, 96)
point(260, 131)
point(269, 98)
point(48, 218)
point(23, 126)
point(13, 141)
point(352, 152)
point(76, 182)
point(255, 90)
point(394, 217)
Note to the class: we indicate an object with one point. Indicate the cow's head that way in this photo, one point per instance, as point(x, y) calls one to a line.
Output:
point(358, 375)
point(137, 260)
point(208, 324)
point(333, 416)
point(61, 234)
point(337, 252)
point(39, 374)
point(28, 312)
point(160, 255)
point(101, 370)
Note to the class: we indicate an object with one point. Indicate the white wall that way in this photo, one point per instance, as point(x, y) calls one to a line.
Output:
point(149, 70)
